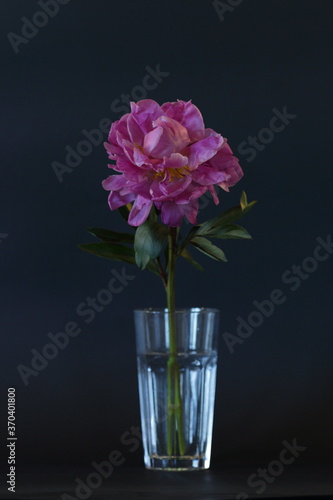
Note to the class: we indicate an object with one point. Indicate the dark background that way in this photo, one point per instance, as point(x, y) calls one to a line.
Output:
point(277, 385)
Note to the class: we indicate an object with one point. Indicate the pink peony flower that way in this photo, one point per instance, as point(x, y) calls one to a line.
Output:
point(166, 157)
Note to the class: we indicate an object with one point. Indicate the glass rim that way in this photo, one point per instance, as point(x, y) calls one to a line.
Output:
point(183, 310)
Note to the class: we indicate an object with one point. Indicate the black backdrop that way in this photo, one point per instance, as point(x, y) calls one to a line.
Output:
point(241, 65)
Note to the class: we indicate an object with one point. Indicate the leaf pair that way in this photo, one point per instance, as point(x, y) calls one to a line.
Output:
point(220, 227)
point(112, 245)
point(223, 226)
point(148, 241)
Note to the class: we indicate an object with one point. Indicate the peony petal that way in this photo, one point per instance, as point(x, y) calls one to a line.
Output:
point(120, 132)
point(224, 161)
point(193, 192)
point(224, 157)
point(145, 112)
point(174, 132)
point(127, 166)
point(131, 151)
point(171, 214)
point(140, 211)
point(206, 176)
point(112, 150)
point(152, 139)
point(118, 126)
point(176, 160)
point(174, 188)
point(114, 182)
point(139, 158)
point(154, 190)
point(117, 200)
point(214, 194)
point(188, 115)
point(202, 151)
point(142, 188)
point(209, 132)
point(134, 131)
point(168, 137)
point(234, 174)
point(191, 211)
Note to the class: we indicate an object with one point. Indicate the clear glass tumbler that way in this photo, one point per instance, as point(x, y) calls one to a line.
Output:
point(177, 359)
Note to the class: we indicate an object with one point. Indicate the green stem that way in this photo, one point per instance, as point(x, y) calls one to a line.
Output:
point(175, 405)
point(161, 272)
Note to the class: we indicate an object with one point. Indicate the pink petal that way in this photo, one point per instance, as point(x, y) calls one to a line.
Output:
point(114, 182)
point(120, 131)
point(213, 192)
point(155, 190)
point(145, 112)
point(142, 188)
point(176, 160)
point(117, 200)
point(128, 149)
point(224, 161)
point(140, 211)
point(126, 165)
point(193, 192)
point(202, 151)
point(134, 131)
point(188, 115)
point(112, 150)
point(139, 158)
point(234, 174)
point(191, 211)
point(152, 139)
point(209, 132)
point(207, 176)
point(174, 188)
point(171, 137)
point(118, 125)
point(171, 214)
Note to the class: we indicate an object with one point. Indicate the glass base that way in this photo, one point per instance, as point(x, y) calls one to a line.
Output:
point(176, 464)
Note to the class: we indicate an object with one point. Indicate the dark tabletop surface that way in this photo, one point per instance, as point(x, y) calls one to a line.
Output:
point(131, 483)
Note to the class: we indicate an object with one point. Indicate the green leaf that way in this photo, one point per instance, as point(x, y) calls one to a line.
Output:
point(205, 246)
point(188, 238)
point(115, 252)
point(149, 241)
point(227, 217)
point(186, 254)
point(229, 231)
point(110, 251)
point(111, 236)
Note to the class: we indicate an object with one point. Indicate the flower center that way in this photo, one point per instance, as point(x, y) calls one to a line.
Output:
point(174, 173)
point(178, 173)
